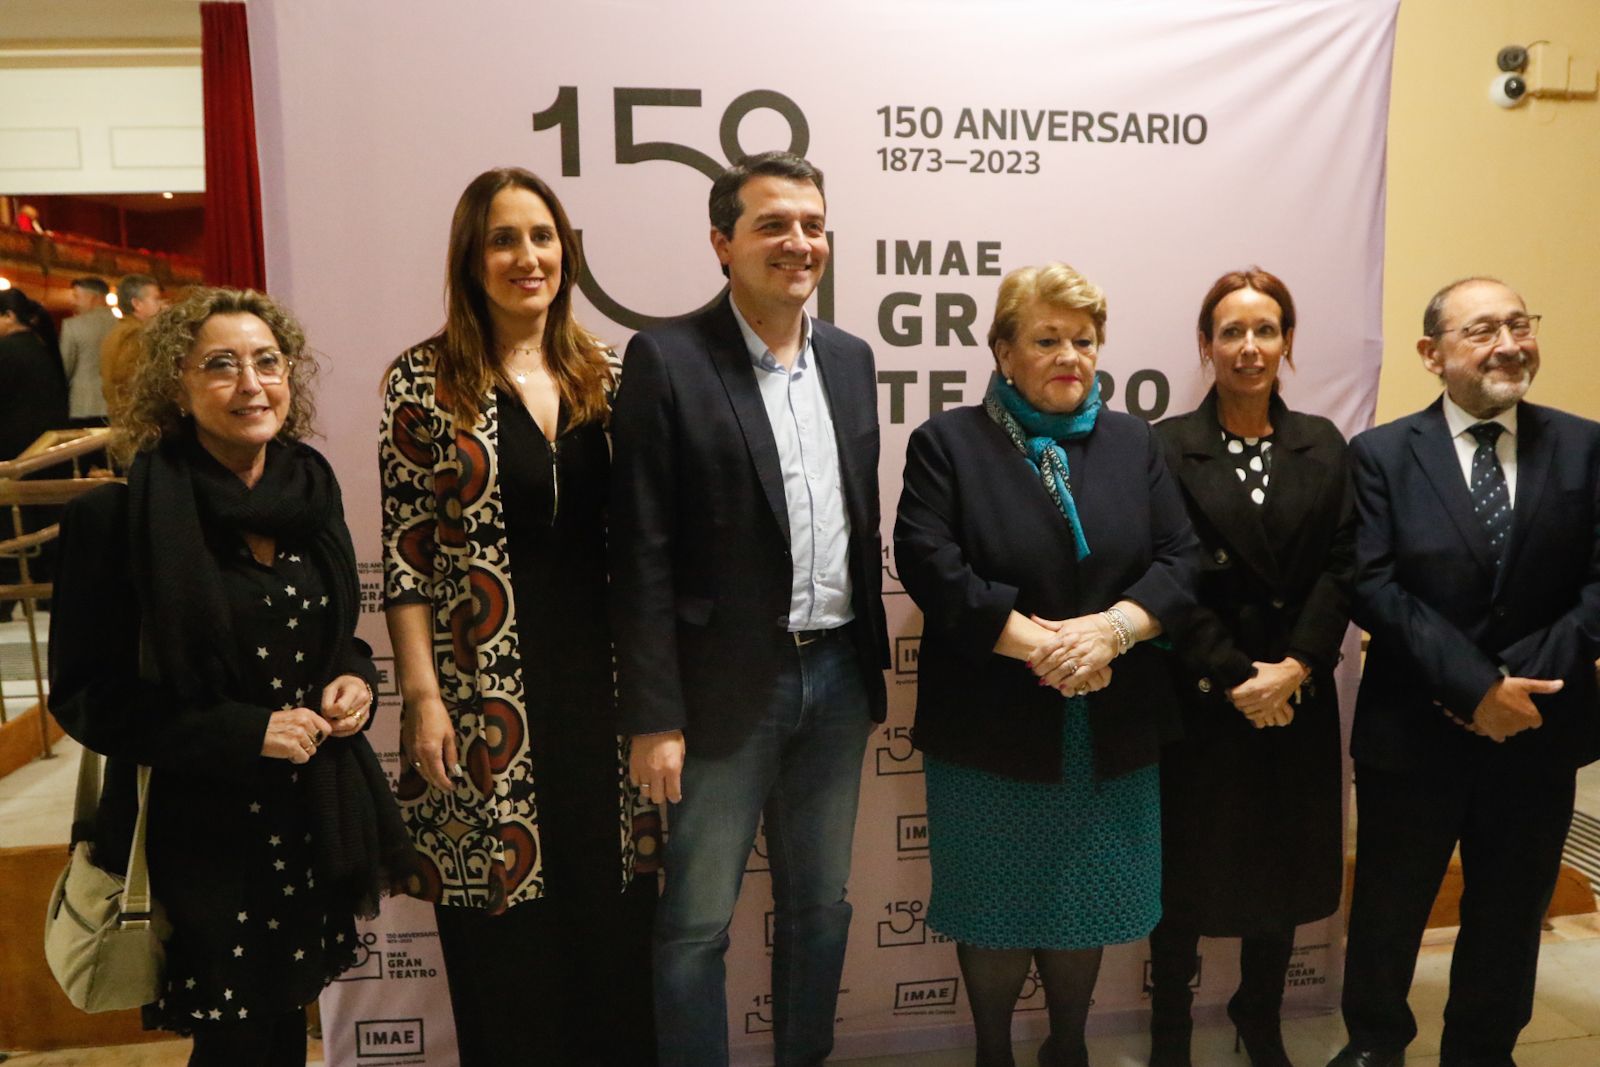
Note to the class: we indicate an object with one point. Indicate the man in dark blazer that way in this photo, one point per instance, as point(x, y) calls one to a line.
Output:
point(1478, 577)
point(746, 579)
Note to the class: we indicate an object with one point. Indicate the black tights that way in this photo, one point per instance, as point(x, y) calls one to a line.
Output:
point(994, 978)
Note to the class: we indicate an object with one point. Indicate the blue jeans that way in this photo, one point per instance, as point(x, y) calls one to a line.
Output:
point(801, 766)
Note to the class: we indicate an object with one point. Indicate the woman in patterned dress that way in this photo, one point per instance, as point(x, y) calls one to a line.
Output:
point(535, 848)
point(204, 626)
point(1045, 543)
point(1251, 823)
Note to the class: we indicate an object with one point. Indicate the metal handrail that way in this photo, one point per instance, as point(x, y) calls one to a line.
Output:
point(17, 546)
point(51, 449)
point(35, 458)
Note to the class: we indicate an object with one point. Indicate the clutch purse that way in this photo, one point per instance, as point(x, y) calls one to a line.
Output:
point(103, 934)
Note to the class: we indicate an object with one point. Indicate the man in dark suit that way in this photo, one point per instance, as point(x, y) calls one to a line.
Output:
point(746, 578)
point(1478, 577)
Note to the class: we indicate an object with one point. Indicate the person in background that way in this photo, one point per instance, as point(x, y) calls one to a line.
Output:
point(536, 849)
point(1045, 542)
point(81, 339)
point(1251, 795)
point(139, 299)
point(33, 399)
point(33, 388)
point(204, 626)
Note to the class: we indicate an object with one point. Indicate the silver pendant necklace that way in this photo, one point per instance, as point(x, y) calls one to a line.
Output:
point(533, 350)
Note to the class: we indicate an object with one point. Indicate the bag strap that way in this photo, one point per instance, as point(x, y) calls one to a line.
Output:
point(86, 801)
point(136, 895)
point(86, 805)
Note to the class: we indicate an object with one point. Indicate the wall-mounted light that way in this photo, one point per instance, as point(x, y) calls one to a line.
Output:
point(166, 196)
point(5, 283)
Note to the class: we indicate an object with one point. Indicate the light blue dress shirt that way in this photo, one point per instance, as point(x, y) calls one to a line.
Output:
point(813, 490)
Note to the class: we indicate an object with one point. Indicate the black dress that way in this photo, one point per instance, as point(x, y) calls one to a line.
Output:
point(566, 977)
point(556, 537)
point(230, 844)
point(254, 936)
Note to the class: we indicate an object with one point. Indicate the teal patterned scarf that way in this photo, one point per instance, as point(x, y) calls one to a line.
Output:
point(1038, 437)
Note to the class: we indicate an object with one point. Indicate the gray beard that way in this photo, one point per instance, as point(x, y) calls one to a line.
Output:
point(1501, 395)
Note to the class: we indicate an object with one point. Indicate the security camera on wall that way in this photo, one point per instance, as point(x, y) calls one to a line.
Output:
point(1508, 90)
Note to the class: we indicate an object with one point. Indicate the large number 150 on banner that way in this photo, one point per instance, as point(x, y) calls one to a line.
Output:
point(1152, 144)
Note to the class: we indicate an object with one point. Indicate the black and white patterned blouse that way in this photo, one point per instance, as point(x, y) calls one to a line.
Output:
point(1252, 463)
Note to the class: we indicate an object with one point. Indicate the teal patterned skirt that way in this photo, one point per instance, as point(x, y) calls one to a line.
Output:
point(1051, 865)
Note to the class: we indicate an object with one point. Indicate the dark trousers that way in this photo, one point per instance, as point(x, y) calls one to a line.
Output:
point(557, 983)
point(1510, 821)
point(274, 1041)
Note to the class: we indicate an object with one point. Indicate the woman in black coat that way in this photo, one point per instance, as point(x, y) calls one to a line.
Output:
point(1251, 830)
point(204, 626)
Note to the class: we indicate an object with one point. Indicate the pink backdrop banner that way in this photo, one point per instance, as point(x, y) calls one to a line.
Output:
point(1150, 143)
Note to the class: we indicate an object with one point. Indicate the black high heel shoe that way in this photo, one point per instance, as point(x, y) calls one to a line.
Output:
point(1262, 1038)
point(1052, 1054)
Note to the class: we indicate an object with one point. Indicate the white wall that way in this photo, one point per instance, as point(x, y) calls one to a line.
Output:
point(101, 130)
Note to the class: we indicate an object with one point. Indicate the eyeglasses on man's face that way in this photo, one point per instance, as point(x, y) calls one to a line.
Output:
point(1487, 331)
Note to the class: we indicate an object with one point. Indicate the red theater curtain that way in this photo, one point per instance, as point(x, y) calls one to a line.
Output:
point(233, 245)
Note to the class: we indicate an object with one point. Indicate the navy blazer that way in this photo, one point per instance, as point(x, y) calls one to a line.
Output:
point(1444, 622)
point(977, 537)
point(701, 573)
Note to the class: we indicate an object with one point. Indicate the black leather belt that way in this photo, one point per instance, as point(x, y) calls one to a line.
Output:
point(802, 638)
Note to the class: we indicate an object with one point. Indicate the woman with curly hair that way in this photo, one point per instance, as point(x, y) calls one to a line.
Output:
point(204, 627)
point(495, 469)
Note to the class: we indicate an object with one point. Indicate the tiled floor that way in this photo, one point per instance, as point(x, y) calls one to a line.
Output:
point(36, 803)
point(1565, 1031)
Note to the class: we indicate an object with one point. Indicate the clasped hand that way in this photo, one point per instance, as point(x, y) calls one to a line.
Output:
point(294, 734)
point(1264, 698)
point(1076, 658)
point(1507, 708)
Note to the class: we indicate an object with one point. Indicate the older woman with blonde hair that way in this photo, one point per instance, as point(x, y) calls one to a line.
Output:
point(204, 627)
point(1046, 544)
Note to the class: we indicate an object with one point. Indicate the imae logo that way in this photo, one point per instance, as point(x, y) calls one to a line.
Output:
point(906, 652)
point(911, 836)
point(930, 995)
point(377, 1038)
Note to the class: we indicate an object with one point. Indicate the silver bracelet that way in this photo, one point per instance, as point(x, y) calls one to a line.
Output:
point(1121, 627)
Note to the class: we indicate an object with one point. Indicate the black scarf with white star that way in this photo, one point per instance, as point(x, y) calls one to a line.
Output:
point(181, 500)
